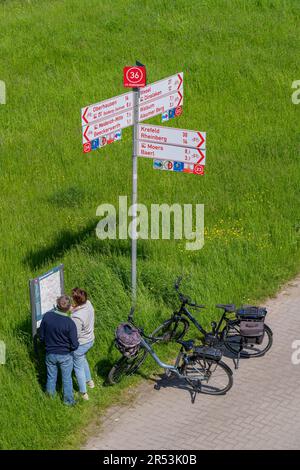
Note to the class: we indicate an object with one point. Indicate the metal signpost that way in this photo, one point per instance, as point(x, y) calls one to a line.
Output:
point(171, 149)
point(134, 194)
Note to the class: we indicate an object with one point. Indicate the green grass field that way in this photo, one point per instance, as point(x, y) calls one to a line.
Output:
point(240, 58)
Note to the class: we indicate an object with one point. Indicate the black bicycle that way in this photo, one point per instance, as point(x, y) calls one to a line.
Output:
point(200, 366)
point(227, 332)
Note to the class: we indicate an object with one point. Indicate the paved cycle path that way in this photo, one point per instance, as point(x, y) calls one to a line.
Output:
point(261, 411)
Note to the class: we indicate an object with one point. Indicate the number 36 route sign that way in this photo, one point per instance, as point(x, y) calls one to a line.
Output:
point(134, 76)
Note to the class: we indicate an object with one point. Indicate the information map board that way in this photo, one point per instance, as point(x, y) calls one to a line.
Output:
point(44, 291)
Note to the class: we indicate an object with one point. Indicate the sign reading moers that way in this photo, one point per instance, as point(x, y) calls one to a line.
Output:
point(171, 152)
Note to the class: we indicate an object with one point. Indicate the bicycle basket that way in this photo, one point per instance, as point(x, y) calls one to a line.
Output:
point(127, 339)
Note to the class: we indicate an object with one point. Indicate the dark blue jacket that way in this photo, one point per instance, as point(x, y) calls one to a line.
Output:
point(58, 332)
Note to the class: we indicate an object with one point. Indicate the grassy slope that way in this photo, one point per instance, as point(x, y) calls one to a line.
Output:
point(239, 59)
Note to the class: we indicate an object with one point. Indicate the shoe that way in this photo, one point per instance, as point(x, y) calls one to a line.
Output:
point(90, 384)
point(68, 403)
point(84, 396)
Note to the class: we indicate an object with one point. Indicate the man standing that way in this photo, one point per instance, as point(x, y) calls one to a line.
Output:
point(59, 334)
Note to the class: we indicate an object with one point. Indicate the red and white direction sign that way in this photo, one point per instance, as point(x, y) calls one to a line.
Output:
point(107, 126)
point(155, 98)
point(163, 87)
point(172, 136)
point(171, 152)
point(161, 105)
point(106, 108)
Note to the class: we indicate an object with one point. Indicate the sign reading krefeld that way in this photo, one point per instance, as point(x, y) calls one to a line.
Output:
point(172, 136)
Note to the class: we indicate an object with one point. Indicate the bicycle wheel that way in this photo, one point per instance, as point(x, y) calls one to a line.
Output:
point(232, 340)
point(210, 377)
point(126, 366)
point(171, 330)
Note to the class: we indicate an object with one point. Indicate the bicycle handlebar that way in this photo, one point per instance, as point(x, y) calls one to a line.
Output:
point(184, 299)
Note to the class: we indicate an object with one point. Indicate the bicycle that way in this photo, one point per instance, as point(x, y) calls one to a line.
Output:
point(176, 327)
point(200, 366)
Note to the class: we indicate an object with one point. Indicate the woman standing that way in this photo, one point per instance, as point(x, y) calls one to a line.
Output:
point(83, 316)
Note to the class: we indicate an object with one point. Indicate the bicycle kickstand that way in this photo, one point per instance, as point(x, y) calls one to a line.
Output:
point(194, 392)
point(237, 361)
point(193, 395)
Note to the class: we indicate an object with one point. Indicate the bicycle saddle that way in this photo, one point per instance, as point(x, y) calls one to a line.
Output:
point(227, 307)
point(188, 345)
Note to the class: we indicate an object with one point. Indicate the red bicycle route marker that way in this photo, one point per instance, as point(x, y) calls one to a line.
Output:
point(178, 111)
point(198, 170)
point(134, 77)
point(87, 147)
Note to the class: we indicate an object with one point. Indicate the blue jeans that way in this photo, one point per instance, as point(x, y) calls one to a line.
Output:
point(81, 365)
point(65, 363)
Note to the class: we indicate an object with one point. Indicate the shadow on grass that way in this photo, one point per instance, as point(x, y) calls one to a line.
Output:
point(63, 242)
point(71, 197)
point(102, 369)
point(105, 364)
point(87, 240)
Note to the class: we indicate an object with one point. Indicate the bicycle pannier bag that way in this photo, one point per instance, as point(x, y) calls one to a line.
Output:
point(127, 339)
point(252, 324)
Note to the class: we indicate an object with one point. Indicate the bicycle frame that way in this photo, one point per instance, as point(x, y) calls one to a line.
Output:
point(169, 367)
point(185, 311)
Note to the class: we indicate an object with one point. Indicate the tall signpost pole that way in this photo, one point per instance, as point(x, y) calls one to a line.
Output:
point(134, 192)
point(136, 76)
